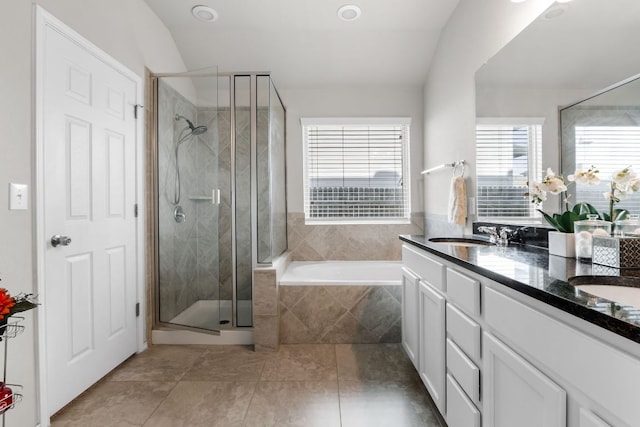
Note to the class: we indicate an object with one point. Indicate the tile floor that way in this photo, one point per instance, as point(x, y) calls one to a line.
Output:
point(305, 385)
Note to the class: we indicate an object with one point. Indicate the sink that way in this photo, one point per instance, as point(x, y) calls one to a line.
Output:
point(622, 294)
point(605, 281)
point(459, 241)
point(624, 290)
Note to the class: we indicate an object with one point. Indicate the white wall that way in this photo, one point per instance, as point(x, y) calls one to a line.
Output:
point(476, 31)
point(132, 34)
point(386, 101)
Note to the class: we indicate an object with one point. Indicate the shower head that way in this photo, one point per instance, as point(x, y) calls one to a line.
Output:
point(195, 130)
point(198, 130)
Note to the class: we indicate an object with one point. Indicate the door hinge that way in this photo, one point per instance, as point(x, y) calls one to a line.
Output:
point(135, 210)
point(135, 110)
point(137, 309)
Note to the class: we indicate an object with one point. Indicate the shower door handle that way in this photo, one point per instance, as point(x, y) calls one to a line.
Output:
point(215, 196)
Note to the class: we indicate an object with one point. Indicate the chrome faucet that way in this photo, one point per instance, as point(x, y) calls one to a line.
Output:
point(500, 238)
point(491, 231)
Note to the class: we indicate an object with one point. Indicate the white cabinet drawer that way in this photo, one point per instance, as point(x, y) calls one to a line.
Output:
point(427, 268)
point(589, 419)
point(466, 373)
point(465, 332)
point(464, 292)
point(460, 411)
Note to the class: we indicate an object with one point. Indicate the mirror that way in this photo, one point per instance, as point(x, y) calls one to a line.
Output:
point(603, 131)
point(572, 51)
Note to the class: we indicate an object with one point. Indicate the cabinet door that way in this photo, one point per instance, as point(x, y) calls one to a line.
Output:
point(516, 393)
point(432, 343)
point(410, 315)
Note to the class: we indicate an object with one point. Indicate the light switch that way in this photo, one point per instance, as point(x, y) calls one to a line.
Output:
point(18, 197)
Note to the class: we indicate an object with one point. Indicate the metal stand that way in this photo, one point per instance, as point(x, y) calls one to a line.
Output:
point(11, 330)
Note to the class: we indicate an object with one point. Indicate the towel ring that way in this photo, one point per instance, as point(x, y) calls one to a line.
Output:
point(455, 169)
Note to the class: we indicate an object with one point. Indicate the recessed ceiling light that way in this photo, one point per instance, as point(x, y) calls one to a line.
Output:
point(349, 12)
point(204, 13)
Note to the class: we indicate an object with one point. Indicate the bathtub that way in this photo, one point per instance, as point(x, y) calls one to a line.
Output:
point(339, 273)
point(340, 302)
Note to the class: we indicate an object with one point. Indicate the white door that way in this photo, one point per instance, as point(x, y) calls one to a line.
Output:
point(89, 155)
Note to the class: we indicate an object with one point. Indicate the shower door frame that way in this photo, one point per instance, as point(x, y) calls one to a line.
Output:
point(152, 182)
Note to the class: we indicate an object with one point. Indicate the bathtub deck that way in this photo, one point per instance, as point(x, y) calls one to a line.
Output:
point(342, 273)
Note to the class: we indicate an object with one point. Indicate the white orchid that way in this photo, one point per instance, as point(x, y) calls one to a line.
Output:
point(536, 193)
point(553, 183)
point(624, 176)
point(587, 177)
point(623, 183)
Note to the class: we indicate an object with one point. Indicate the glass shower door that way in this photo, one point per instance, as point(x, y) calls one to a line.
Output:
point(189, 198)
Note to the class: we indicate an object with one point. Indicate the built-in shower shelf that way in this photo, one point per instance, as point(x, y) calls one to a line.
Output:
point(201, 198)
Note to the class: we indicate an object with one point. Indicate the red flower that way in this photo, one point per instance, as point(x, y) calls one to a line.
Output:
point(6, 303)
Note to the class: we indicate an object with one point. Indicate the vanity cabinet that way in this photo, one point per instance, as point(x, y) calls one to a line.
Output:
point(442, 360)
point(601, 380)
point(491, 356)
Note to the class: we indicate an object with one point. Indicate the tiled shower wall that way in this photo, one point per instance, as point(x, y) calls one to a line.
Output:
point(348, 242)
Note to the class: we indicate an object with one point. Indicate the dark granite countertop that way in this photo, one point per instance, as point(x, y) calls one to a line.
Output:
point(533, 272)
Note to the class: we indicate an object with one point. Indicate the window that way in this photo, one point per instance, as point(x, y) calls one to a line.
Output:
point(356, 170)
point(610, 149)
point(508, 154)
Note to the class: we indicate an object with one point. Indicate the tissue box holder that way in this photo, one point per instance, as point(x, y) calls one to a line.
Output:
point(617, 252)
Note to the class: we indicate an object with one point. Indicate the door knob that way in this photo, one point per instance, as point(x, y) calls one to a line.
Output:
point(60, 240)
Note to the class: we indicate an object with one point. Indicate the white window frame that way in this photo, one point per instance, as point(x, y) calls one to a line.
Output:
point(534, 162)
point(359, 121)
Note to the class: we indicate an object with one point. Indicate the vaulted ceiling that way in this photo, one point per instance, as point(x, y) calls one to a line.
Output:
point(304, 44)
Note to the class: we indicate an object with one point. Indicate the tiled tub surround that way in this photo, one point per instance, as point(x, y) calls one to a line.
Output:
point(535, 273)
point(353, 242)
point(340, 302)
point(266, 314)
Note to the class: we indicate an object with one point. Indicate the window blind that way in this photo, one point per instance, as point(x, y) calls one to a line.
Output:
point(609, 149)
point(507, 157)
point(356, 172)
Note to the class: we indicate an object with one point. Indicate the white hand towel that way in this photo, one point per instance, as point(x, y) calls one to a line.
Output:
point(457, 201)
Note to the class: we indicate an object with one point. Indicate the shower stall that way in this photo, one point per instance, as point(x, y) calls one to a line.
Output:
point(218, 166)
